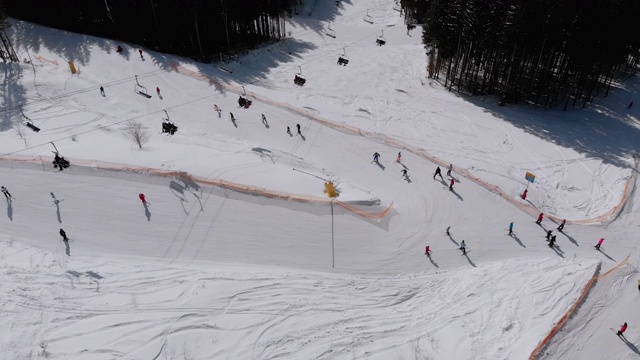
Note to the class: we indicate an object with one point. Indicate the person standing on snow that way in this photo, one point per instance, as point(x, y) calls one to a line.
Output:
point(463, 247)
point(298, 126)
point(64, 235)
point(549, 234)
point(142, 198)
point(552, 241)
point(561, 226)
point(376, 156)
point(450, 168)
point(399, 159)
point(599, 244)
point(141, 57)
point(438, 172)
point(289, 131)
point(511, 228)
point(404, 173)
point(427, 251)
point(102, 91)
point(6, 193)
point(540, 218)
point(451, 184)
point(158, 91)
point(622, 330)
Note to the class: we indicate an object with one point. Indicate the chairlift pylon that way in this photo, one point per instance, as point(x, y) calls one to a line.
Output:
point(141, 90)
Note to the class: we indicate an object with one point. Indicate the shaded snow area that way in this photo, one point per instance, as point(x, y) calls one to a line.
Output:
point(240, 254)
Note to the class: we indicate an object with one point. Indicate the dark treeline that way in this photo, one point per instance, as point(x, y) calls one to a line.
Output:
point(542, 51)
point(200, 29)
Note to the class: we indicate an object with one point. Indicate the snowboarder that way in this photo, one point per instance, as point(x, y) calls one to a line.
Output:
point(450, 168)
point(404, 173)
point(511, 228)
point(427, 251)
point(552, 241)
point(561, 226)
point(599, 244)
point(376, 156)
point(289, 131)
point(630, 105)
point(539, 218)
point(463, 247)
point(399, 159)
point(438, 172)
point(448, 227)
point(298, 126)
point(142, 198)
point(102, 91)
point(549, 234)
point(141, 57)
point(64, 235)
point(451, 184)
point(6, 193)
point(622, 330)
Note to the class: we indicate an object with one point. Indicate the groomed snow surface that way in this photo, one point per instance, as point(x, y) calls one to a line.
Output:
point(277, 271)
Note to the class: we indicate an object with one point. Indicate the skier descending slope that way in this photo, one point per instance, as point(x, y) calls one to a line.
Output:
point(143, 199)
point(6, 193)
point(463, 247)
point(511, 228)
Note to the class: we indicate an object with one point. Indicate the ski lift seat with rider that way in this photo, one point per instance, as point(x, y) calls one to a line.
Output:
point(244, 102)
point(59, 162)
point(343, 59)
point(381, 40)
point(168, 126)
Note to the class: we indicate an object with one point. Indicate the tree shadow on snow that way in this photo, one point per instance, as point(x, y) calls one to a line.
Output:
point(317, 18)
point(14, 94)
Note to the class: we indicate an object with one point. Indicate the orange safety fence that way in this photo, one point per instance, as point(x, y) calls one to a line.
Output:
point(224, 184)
point(43, 59)
point(572, 309)
point(381, 138)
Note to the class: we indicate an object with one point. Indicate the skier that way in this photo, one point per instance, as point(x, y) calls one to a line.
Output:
point(158, 91)
point(524, 194)
point(540, 218)
point(232, 118)
point(451, 184)
point(448, 234)
point(264, 119)
point(427, 251)
point(6, 193)
point(376, 156)
point(289, 131)
point(141, 57)
point(552, 241)
point(102, 91)
point(630, 105)
point(438, 172)
point(549, 234)
point(622, 330)
point(64, 235)
point(561, 226)
point(399, 159)
point(599, 244)
point(511, 228)
point(450, 168)
point(142, 198)
point(404, 173)
point(298, 126)
point(463, 247)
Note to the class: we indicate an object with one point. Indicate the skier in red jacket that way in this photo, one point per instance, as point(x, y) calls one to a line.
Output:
point(143, 199)
point(540, 218)
point(622, 330)
point(451, 184)
point(427, 251)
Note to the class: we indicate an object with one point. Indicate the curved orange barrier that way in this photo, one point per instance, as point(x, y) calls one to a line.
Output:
point(572, 309)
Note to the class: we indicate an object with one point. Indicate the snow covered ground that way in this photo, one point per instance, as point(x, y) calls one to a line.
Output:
point(240, 254)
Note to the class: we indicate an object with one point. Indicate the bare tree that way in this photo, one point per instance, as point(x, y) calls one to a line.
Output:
point(136, 132)
point(21, 133)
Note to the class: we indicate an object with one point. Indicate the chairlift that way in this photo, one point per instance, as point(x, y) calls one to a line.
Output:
point(330, 32)
point(368, 18)
point(397, 6)
point(343, 59)
point(59, 162)
point(141, 90)
point(299, 79)
point(28, 123)
point(381, 40)
point(168, 126)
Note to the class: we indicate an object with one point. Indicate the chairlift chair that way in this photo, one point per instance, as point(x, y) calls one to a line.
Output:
point(397, 6)
point(368, 18)
point(381, 40)
point(140, 90)
point(330, 32)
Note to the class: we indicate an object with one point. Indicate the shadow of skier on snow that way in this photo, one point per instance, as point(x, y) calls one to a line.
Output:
point(608, 257)
point(469, 260)
point(9, 211)
point(146, 211)
point(380, 165)
point(558, 251)
point(451, 238)
point(630, 345)
point(457, 195)
point(570, 238)
point(433, 262)
point(58, 212)
point(516, 238)
point(67, 249)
